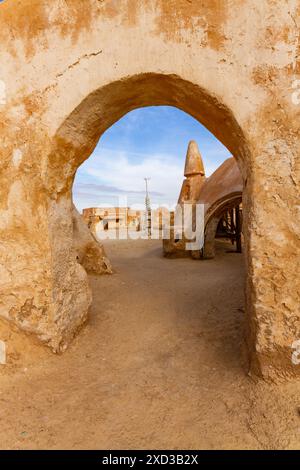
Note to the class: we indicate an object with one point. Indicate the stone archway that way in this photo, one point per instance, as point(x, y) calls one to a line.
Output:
point(213, 219)
point(74, 81)
point(77, 136)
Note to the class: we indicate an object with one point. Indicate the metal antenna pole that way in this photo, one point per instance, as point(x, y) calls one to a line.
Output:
point(148, 208)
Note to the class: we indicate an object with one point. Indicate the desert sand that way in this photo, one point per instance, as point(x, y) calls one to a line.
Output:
point(160, 365)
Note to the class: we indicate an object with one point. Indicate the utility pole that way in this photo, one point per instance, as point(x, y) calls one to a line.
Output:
point(148, 209)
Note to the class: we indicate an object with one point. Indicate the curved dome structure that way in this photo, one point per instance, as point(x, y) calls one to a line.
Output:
point(221, 192)
point(224, 182)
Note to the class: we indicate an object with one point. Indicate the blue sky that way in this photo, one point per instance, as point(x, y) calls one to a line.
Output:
point(147, 142)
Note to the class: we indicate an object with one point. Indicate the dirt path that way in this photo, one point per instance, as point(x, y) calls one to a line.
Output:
point(158, 366)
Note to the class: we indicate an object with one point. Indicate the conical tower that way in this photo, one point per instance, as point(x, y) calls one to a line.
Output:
point(193, 161)
point(194, 174)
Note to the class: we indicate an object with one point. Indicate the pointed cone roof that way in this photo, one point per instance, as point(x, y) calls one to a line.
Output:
point(193, 160)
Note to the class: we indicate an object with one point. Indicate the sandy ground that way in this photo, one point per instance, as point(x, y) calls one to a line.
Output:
point(159, 365)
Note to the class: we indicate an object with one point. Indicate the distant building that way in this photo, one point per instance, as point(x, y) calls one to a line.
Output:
point(112, 218)
point(101, 219)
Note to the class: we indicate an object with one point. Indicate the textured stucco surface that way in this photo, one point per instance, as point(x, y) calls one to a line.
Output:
point(69, 72)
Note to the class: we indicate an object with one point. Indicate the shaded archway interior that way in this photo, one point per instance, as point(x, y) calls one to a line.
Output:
point(212, 218)
point(225, 203)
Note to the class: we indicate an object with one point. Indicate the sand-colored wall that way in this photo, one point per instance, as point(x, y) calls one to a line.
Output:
point(69, 70)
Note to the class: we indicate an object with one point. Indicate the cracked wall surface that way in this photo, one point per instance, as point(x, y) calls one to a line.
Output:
point(68, 73)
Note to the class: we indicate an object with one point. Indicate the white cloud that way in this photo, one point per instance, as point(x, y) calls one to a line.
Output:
point(120, 172)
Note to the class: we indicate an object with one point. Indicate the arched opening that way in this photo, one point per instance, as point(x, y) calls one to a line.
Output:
point(148, 294)
point(79, 133)
point(214, 217)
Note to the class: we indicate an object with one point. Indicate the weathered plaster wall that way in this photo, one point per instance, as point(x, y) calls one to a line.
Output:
point(70, 69)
